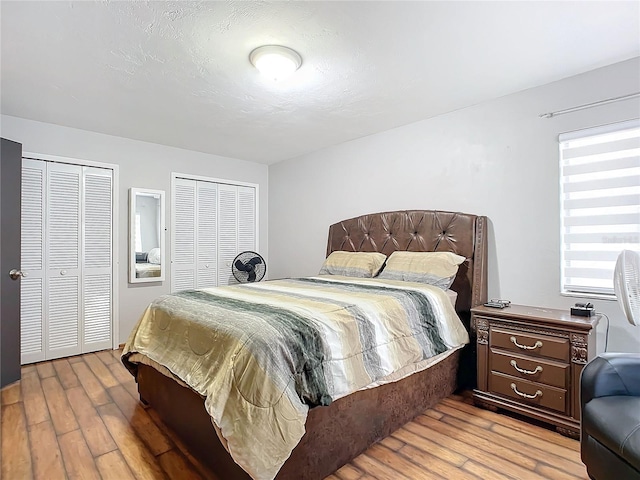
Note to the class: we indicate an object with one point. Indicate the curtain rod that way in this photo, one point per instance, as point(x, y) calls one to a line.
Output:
point(589, 105)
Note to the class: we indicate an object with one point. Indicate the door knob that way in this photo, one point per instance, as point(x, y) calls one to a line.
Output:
point(15, 274)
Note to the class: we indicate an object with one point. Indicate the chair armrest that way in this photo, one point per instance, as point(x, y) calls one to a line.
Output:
point(610, 374)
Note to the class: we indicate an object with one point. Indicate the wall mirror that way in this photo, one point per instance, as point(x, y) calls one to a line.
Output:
point(146, 236)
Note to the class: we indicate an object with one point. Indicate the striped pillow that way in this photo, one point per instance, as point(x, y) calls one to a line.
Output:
point(353, 264)
point(434, 268)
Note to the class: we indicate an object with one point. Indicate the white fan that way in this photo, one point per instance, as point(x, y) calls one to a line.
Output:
point(626, 283)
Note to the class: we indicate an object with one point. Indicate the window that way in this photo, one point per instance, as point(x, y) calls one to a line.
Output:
point(599, 204)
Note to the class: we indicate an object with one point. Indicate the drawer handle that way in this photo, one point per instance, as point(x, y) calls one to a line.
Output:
point(538, 344)
point(524, 395)
point(514, 364)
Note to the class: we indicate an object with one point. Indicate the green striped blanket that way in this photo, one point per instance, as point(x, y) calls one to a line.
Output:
point(261, 354)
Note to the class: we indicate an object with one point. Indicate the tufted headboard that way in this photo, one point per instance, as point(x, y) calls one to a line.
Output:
point(424, 231)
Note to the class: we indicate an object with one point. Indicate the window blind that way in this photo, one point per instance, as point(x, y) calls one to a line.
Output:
point(600, 204)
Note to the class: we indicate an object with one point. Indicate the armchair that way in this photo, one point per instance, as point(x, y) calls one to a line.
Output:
point(610, 428)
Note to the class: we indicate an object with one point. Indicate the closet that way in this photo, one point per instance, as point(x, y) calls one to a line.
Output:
point(67, 254)
point(212, 223)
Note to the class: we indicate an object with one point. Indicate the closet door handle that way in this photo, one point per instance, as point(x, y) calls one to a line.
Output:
point(63, 272)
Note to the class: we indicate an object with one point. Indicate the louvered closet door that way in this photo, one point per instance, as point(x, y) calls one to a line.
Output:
point(183, 245)
point(67, 295)
point(213, 222)
point(246, 219)
point(97, 257)
point(227, 232)
point(32, 287)
point(207, 234)
point(63, 312)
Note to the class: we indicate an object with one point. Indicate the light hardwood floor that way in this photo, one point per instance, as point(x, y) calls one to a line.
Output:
point(80, 418)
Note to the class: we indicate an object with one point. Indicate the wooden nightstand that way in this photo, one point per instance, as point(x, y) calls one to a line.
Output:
point(530, 360)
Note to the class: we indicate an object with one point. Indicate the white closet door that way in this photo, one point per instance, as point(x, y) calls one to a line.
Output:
point(62, 328)
point(183, 243)
point(97, 258)
point(32, 291)
point(227, 232)
point(246, 219)
point(207, 234)
point(212, 223)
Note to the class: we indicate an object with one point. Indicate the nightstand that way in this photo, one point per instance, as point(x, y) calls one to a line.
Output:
point(530, 360)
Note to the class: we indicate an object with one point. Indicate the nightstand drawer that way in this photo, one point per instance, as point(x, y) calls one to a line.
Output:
point(530, 368)
point(528, 392)
point(531, 344)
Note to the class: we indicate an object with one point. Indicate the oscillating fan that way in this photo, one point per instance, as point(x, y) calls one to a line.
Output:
point(249, 267)
point(626, 283)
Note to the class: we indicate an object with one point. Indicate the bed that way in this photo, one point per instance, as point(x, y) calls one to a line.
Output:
point(337, 433)
point(148, 270)
point(148, 264)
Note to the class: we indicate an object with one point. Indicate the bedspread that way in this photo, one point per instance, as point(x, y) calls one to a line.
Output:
point(263, 353)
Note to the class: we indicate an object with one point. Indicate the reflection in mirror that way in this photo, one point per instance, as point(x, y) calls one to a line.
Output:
point(146, 235)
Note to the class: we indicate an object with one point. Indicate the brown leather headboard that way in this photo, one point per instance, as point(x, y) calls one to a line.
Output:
point(423, 231)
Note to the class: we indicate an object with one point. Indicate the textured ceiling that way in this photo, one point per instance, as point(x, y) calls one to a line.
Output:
point(177, 73)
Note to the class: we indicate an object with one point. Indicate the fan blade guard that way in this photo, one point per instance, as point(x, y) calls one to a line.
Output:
point(248, 266)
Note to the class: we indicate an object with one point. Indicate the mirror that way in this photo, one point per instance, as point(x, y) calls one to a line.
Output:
point(146, 235)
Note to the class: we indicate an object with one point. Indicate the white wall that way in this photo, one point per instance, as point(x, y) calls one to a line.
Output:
point(144, 165)
point(497, 159)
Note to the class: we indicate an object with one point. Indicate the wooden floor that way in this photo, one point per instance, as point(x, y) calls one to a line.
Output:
point(80, 418)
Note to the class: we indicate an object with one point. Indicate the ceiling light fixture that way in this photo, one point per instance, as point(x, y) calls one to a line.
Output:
point(275, 61)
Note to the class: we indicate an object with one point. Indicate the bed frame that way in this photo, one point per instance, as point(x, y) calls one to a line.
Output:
point(338, 433)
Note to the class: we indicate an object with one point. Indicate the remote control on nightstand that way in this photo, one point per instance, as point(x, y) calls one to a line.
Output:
point(494, 305)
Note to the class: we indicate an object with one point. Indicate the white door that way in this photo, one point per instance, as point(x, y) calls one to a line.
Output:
point(212, 223)
point(62, 315)
point(183, 239)
point(227, 232)
point(207, 234)
point(246, 219)
point(32, 288)
point(97, 258)
point(194, 256)
point(67, 255)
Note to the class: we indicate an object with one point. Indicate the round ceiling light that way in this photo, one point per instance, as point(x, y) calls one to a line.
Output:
point(275, 61)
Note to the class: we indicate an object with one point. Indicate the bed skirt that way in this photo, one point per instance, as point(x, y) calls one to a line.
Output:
point(334, 435)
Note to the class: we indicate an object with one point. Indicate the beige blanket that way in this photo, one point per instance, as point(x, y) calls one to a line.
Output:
point(261, 354)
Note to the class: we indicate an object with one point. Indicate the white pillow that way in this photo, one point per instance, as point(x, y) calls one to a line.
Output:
point(154, 256)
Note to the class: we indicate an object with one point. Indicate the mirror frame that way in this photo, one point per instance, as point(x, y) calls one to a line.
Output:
point(133, 192)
